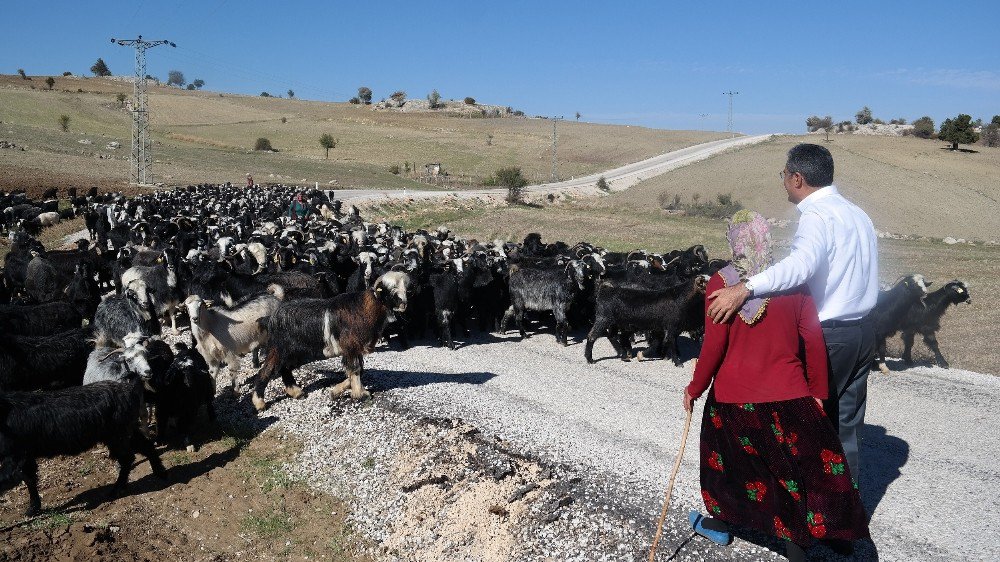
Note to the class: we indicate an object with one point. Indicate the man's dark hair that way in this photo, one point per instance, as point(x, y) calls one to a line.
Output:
point(813, 161)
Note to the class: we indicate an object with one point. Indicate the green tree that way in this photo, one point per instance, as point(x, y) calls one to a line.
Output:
point(121, 99)
point(577, 115)
point(923, 127)
point(291, 94)
point(365, 95)
point(470, 100)
point(399, 96)
point(190, 87)
point(263, 144)
point(64, 122)
point(864, 116)
point(602, 184)
point(958, 131)
point(265, 95)
point(198, 83)
point(175, 78)
point(100, 68)
point(50, 81)
point(24, 76)
point(327, 141)
point(434, 98)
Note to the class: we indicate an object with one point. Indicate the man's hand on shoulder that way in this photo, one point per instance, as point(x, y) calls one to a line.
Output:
point(726, 302)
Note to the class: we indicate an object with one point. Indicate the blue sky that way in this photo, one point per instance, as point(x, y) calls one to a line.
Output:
point(659, 64)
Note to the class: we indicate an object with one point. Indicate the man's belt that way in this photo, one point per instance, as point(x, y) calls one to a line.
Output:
point(845, 323)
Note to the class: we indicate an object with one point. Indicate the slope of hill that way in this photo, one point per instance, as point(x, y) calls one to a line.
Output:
point(203, 135)
point(907, 185)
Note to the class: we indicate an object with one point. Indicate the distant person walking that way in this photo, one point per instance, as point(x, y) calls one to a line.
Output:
point(249, 181)
point(770, 458)
point(298, 209)
point(834, 252)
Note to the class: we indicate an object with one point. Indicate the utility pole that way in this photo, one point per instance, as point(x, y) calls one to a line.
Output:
point(141, 169)
point(555, 142)
point(729, 123)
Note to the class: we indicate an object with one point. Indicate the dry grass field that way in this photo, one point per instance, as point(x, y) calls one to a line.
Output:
point(907, 185)
point(207, 136)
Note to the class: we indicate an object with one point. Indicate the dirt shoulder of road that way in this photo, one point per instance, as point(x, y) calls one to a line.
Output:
point(232, 499)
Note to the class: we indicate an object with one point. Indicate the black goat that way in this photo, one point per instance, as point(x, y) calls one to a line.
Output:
point(37, 425)
point(36, 362)
point(926, 320)
point(180, 392)
point(544, 289)
point(39, 319)
point(621, 311)
point(892, 309)
point(127, 313)
point(347, 325)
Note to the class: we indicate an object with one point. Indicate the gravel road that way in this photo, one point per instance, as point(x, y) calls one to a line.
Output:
point(618, 179)
point(926, 478)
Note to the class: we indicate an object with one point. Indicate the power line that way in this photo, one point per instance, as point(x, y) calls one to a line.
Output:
point(141, 168)
point(729, 123)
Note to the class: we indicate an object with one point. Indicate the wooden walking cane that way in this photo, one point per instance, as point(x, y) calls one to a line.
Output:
point(670, 486)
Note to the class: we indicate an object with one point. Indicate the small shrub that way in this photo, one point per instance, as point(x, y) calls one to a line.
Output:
point(198, 83)
point(365, 95)
point(406, 167)
point(723, 207)
point(100, 68)
point(815, 123)
point(394, 169)
point(924, 128)
point(120, 98)
point(176, 78)
point(900, 121)
point(602, 184)
point(434, 98)
point(518, 113)
point(991, 132)
point(190, 86)
point(265, 95)
point(67, 73)
point(263, 144)
point(24, 76)
point(863, 116)
point(470, 101)
point(489, 139)
point(291, 94)
point(399, 96)
point(878, 121)
point(354, 100)
point(284, 120)
point(515, 195)
point(50, 81)
point(64, 122)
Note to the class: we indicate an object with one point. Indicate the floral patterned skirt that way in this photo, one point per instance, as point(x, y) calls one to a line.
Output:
point(779, 468)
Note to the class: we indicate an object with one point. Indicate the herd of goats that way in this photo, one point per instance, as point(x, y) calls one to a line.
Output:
point(83, 361)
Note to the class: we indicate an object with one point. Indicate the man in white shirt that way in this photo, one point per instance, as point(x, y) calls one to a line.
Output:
point(834, 252)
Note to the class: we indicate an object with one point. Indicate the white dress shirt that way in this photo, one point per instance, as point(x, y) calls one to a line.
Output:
point(834, 251)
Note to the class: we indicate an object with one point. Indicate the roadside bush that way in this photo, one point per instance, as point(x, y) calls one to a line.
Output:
point(263, 144)
point(64, 122)
point(958, 131)
point(394, 169)
point(354, 101)
point(470, 101)
point(723, 207)
point(924, 128)
point(50, 81)
point(24, 76)
point(863, 116)
point(602, 184)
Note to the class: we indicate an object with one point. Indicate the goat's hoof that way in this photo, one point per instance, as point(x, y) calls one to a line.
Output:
point(32, 510)
point(258, 403)
point(361, 395)
point(882, 367)
point(190, 448)
point(295, 392)
point(640, 356)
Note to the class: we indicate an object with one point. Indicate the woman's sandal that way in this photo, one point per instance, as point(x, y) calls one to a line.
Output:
point(718, 537)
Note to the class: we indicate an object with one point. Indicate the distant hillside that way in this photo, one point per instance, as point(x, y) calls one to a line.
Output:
point(203, 135)
point(907, 185)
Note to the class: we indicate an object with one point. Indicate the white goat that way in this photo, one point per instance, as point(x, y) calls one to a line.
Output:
point(223, 335)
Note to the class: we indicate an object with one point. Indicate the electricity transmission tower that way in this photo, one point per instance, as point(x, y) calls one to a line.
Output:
point(141, 169)
point(729, 123)
point(555, 141)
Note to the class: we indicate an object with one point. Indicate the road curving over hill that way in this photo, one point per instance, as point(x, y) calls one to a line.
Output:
point(619, 179)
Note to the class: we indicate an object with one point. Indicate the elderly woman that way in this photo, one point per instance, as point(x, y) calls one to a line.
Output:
point(770, 459)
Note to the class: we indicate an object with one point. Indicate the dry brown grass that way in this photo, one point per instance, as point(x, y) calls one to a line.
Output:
point(185, 123)
point(907, 185)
